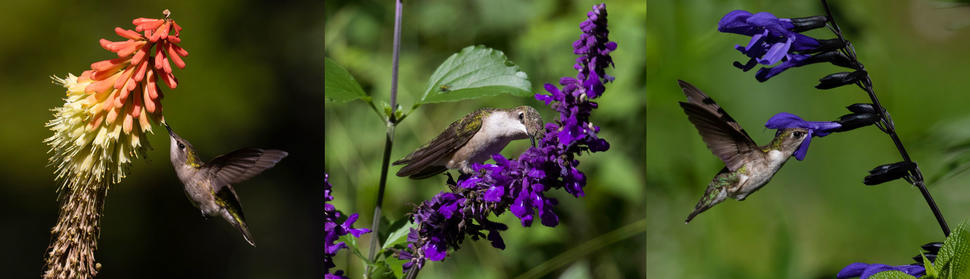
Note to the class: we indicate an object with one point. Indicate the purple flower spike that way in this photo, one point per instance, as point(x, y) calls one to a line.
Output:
point(785, 120)
point(773, 40)
point(519, 185)
point(864, 270)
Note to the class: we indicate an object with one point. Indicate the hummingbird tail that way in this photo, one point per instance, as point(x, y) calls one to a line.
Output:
point(712, 196)
point(240, 224)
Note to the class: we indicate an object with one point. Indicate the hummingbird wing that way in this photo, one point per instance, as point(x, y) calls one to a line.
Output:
point(242, 164)
point(724, 136)
point(422, 162)
point(232, 211)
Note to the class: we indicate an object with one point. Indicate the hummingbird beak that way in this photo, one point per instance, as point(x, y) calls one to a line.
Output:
point(170, 132)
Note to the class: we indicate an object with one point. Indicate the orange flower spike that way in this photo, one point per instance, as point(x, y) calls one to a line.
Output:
point(141, 54)
point(128, 34)
point(108, 65)
point(100, 86)
point(126, 126)
point(174, 39)
point(167, 67)
point(149, 103)
point(163, 31)
point(111, 116)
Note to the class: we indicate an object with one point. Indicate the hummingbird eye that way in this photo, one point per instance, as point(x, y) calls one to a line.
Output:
point(521, 116)
point(181, 146)
point(798, 134)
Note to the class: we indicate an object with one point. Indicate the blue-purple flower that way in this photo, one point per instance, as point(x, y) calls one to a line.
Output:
point(774, 40)
point(334, 231)
point(864, 270)
point(784, 120)
point(519, 185)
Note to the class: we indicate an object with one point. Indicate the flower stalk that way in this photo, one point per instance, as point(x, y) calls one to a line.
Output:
point(100, 129)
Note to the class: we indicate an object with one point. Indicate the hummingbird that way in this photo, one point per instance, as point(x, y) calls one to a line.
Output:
point(208, 184)
point(471, 139)
point(748, 167)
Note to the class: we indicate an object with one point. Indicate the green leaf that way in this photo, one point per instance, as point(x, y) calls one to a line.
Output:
point(475, 71)
point(954, 257)
point(399, 236)
point(892, 274)
point(339, 85)
point(931, 272)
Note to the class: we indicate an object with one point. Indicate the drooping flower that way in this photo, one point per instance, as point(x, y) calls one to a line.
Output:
point(784, 120)
point(775, 40)
point(100, 129)
point(519, 185)
point(334, 231)
point(864, 270)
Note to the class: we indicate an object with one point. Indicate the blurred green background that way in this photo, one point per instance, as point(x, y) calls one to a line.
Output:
point(536, 35)
point(815, 216)
point(254, 78)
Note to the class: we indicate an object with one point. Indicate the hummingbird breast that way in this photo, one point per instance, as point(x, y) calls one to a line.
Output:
point(198, 189)
point(757, 173)
point(498, 129)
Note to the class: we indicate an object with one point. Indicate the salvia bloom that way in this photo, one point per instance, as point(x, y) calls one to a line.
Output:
point(784, 120)
point(864, 270)
point(776, 40)
point(519, 185)
point(100, 129)
point(335, 231)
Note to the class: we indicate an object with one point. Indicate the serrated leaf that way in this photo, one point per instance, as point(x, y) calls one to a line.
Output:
point(339, 86)
point(475, 71)
point(398, 236)
point(891, 274)
point(954, 257)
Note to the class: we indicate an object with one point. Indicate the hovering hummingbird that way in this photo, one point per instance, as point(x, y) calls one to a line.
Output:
point(471, 139)
point(748, 167)
point(207, 184)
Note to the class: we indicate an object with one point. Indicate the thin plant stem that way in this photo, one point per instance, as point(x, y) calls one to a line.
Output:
point(391, 123)
point(887, 122)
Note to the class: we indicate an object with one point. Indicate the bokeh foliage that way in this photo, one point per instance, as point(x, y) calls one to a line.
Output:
point(815, 216)
point(253, 78)
point(538, 37)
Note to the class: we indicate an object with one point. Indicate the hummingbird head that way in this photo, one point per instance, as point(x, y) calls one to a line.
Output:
point(531, 119)
point(790, 139)
point(180, 151)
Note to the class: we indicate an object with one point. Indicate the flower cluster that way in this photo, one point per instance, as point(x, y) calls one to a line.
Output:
point(334, 231)
point(100, 129)
point(519, 185)
point(776, 40)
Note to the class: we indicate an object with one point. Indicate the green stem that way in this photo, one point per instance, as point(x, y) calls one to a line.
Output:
point(389, 139)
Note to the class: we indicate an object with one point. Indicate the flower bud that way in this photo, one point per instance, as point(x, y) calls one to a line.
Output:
point(803, 24)
point(889, 172)
point(862, 108)
point(840, 79)
point(856, 120)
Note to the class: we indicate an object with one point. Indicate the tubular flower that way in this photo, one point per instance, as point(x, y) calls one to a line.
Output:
point(519, 185)
point(100, 129)
point(784, 120)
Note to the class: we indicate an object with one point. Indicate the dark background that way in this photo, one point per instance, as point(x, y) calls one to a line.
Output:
point(254, 78)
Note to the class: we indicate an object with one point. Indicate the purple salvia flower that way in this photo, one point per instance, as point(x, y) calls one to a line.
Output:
point(334, 231)
point(519, 185)
point(784, 120)
point(774, 40)
point(864, 270)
